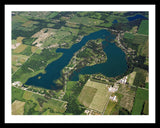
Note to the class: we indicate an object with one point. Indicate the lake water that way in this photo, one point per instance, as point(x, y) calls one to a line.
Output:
point(115, 21)
point(115, 65)
point(136, 17)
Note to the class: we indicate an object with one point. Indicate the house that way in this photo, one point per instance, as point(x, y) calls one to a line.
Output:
point(113, 98)
point(17, 83)
point(88, 112)
point(123, 80)
point(113, 89)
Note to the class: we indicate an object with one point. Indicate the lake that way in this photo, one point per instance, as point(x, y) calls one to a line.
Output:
point(115, 65)
point(138, 16)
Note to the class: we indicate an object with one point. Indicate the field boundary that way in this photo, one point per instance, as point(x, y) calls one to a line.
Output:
point(25, 89)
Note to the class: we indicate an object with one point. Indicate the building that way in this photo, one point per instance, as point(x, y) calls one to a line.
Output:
point(113, 98)
point(123, 80)
point(17, 83)
point(113, 89)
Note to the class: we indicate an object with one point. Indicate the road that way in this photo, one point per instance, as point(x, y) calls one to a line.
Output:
point(25, 89)
point(139, 87)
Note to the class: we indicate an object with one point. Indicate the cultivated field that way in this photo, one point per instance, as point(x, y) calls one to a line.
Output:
point(131, 78)
point(140, 101)
point(18, 107)
point(110, 107)
point(86, 95)
point(127, 100)
point(94, 95)
point(20, 48)
point(29, 103)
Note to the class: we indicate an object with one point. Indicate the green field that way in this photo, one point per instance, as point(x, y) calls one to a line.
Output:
point(85, 21)
point(140, 77)
point(34, 104)
point(17, 94)
point(143, 28)
point(94, 95)
point(110, 107)
point(140, 99)
point(137, 42)
point(146, 108)
point(86, 96)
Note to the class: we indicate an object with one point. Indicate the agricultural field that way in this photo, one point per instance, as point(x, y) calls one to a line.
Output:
point(85, 20)
point(87, 95)
point(143, 29)
point(140, 78)
point(17, 61)
point(63, 37)
point(18, 107)
point(141, 102)
point(137, 42)
point(29, 103)
point(111, 105)
point(94, 95)
point(131, 78)
point(127, 100)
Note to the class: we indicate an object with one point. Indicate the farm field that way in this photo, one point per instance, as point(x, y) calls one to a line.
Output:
point(131, 78)
point(87, 95)
point(85, 21)
point(143, 29)
point(18, 107)
point(125, 96)
point(94, 95)
point(127, 100)
point(110, 107)
point(140, 78)
point(140, 102)
point(29, 103)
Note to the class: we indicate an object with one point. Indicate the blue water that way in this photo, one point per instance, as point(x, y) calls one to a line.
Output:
point(115, 21)
point(136, 17)
point(115, 65)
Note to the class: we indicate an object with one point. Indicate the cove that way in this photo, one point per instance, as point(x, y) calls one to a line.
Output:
point(116, 62)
